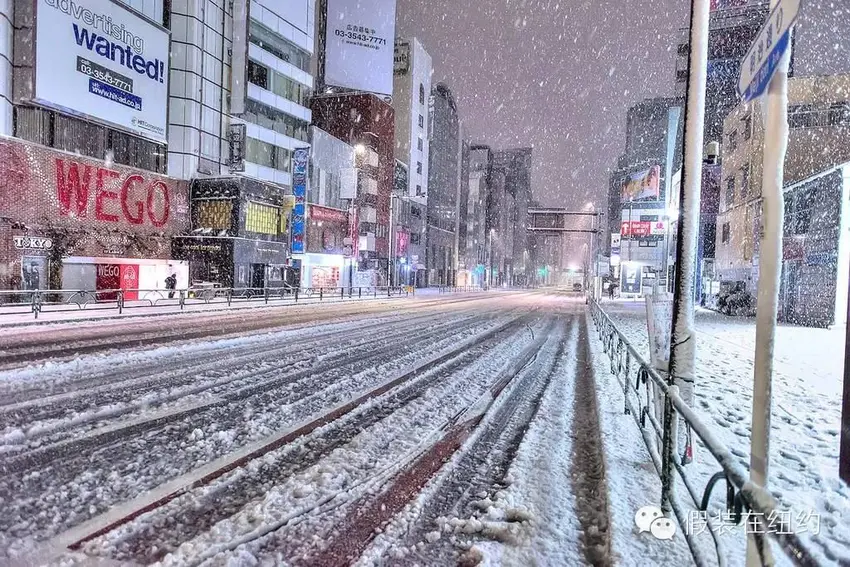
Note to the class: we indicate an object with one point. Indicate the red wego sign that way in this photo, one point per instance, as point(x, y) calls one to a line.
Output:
point(38, 184)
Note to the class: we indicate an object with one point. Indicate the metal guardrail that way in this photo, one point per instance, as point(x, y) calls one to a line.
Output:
point(634, 372)
point(460, 289)
point(38, 301)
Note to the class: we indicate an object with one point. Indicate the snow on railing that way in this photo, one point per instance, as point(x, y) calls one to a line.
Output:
point(633, 372)
point(16, 302)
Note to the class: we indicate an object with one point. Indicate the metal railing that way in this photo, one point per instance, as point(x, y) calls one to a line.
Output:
point(17, 302)
point(634, 375)
point(460, 289)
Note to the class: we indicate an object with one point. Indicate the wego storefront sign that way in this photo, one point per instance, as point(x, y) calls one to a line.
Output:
point(39, 185)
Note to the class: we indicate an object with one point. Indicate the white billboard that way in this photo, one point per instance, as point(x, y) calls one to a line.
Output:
point(100, 59)
point(359, 45)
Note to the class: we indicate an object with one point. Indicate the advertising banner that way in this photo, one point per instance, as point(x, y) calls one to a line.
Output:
point(39, 184)
point(643, 186)
point(300, 157)
point(100, 59)
point(360, 45)
point(34, 273)
point(631, 278)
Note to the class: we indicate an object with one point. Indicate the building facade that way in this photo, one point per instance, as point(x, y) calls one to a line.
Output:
point(208, 90)
point(444, 188)
point(411, 92)
point(819, 138)
point(516, 165)
point(367, 123)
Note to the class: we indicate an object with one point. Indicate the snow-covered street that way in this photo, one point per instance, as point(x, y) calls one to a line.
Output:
point(476, 439)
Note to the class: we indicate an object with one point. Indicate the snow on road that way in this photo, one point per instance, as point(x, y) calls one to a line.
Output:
point(49, 495)
point(806, 416)
point(303, 510)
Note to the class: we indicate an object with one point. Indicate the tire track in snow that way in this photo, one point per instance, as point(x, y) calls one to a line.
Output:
point(588, 461)
point(199, 512)
point(466, 486)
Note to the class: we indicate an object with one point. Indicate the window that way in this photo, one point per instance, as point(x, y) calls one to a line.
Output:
point(258, 75)
point(748, 126)
point(733, 140)
point(262, 219)
point(421, 93)
point(800, 207)
point(730, 191)
point(421, 121)
point(802, 116)
point(416, 211)
point(419, 144)
point(745, 180)
point(276, 120)
point(724, 234)
point(419, 192)
point(267, 155)
point(839, 114)
point(419, 167)
point(278, 83)
point(214, 214)
point(414, 238)
point(279, 47)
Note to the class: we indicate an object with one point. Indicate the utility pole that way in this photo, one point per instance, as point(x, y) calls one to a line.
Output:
point(683, 337)
point(775, 112)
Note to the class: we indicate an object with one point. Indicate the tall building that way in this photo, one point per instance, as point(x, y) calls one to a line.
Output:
point(85, 199)
point(653, 127)
point(732, 27)
point(443, 188)
point(240, 85)
point(516, 165)
point(411, 93)
point(367, 123)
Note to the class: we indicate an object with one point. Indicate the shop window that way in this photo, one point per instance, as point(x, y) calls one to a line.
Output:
point(214, 214)
point(262, 219)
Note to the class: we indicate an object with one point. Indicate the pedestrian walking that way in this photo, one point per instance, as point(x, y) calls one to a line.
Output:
point(611, 288)
point(171, 285)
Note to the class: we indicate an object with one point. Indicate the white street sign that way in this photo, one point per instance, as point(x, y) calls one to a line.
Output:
point(763, 58)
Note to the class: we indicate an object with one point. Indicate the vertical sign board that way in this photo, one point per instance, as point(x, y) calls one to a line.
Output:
point(359, 45)
point(100, 59)
point(239, 57)
point(300, 157)
point(767, 50)
point(631, 278)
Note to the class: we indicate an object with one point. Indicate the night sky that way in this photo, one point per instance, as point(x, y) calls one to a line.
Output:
point(555, 74)
point(560, 74)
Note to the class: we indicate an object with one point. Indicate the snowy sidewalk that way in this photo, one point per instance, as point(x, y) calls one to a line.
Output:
point(807, 388)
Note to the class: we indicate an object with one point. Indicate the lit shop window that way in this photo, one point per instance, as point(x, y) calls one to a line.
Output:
point(215, 214)
point(262, 219)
